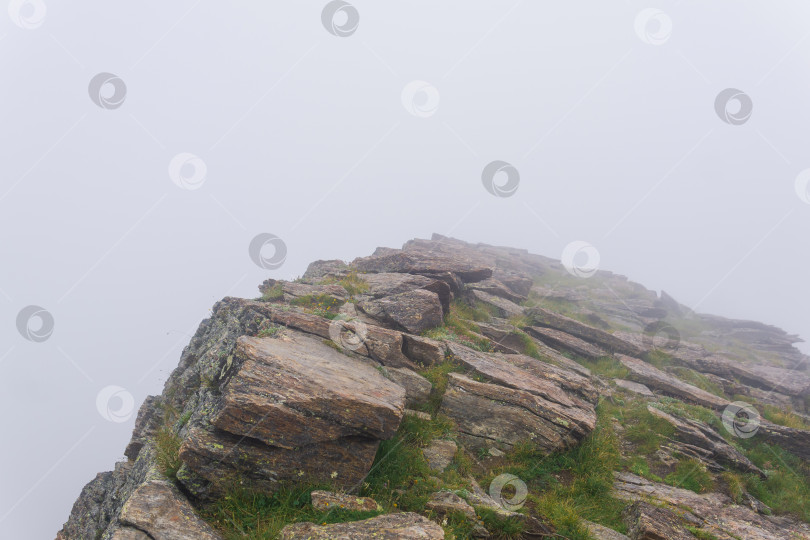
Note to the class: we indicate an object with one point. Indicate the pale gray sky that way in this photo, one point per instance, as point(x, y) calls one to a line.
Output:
point(605, 109)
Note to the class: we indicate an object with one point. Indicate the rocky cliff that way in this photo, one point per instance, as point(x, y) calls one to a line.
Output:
point(374, 399)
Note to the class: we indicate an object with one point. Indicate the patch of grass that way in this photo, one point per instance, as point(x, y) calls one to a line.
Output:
point(607, 366)
point(273, 293)
point(438, 375)
point(676, 407)
point(273, 331)
point(183, 420)
point(735, 485)
point(249, 514)
point(529, 346)
point(640, 466)
point(322, 305)
point(460, 326)
point(658, 358)
point(787, 488)
point(352, 282)
point(576, 483)
point(698, 379)
point(167, 455)
point(691, 474)
point(500, 526)
point(643, 429)
point(782, 417)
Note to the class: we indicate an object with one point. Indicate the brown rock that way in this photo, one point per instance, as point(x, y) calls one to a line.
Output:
point(413, 311)
point(389, 283)
point(417, 388)
point(494, 415)
point(699, 434)
point(297, 391)
point(648, 522)
point(566, 342)
point(653, 377)
point(319, 269)
point(444, 502)
point(600, 532)
point(158, 509)
point(328, 500)
point(405, 526)
point(414, 262)
point(423, 351)
point(505, 308)
point(543, 317)
point(497, 288)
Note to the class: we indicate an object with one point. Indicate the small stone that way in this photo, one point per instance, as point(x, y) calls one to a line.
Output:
point(327, 500)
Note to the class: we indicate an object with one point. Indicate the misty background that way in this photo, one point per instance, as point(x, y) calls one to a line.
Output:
point(606, 111)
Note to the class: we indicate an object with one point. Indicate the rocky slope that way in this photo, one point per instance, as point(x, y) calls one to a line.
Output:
point(588, 408)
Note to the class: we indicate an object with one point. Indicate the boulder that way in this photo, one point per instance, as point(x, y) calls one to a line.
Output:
point(412, 311)
point(389, 284)
point(653, 377)
point(600, 532)
point(422, 350)
point(609, 342)
point(158, 508)
point(289, 408)
point(405, 526)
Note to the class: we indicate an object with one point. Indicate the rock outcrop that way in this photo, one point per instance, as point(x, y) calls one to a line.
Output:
point(485, 349)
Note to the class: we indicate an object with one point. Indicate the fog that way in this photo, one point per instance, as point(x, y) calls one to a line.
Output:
point(128, 201)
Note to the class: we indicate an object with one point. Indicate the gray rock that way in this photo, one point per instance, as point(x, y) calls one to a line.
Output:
point(413, 311)
point(407, 526)
point(417, 388)
point(636, 388)
point(440, 453)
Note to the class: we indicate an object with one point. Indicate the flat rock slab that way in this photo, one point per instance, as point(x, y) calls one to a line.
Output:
point(636, 388)
point(653, 377)
point(444, 502)
point(496, 287)
point(567, 342)
point(700, 435)
point(414, 262)
point(405, 526)
point(491, 414)
point(440, 453)
point(605, 340)
point(328, 500)
point(159, 509)
point(297, 391)
point(505, 308)
point(502, 369)
point(648, 522)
